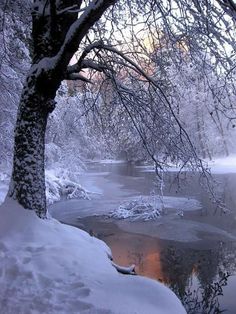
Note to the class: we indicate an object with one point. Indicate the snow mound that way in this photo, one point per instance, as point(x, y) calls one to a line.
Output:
point(150, 208)
point(48, 267)
point(137, 209)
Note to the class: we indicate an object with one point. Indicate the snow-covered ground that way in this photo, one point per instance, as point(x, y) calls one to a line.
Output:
point(48, 267)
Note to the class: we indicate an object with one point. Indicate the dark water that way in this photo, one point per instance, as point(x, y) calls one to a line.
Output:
point(194, 255)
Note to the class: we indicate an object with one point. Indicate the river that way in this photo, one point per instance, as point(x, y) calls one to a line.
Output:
point(192, 252)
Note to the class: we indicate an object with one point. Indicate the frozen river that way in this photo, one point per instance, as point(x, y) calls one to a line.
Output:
point(194, 252)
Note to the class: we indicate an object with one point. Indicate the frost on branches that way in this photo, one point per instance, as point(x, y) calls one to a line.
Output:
point(120, 47)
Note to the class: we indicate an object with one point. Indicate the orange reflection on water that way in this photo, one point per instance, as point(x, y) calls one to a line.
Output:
point(152, 266)
point(146, 255)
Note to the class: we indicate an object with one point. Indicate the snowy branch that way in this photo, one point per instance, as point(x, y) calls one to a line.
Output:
point(89, 48)
point(72, 9)
point(130, 270)
point(79, 29)
point(90, 64)
point(229, 6)
point(76, 77)
point(87, 64)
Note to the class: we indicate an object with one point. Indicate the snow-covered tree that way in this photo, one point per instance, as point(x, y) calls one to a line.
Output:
point(94, 31)
point(14, 63)
point(200, 95)
point(57, 33)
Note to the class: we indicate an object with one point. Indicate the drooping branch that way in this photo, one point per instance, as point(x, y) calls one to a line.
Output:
point(88, 49)
point(86, 64)
point(135, 67)
point(130, 270)
point(153, 82)
point(83, 63)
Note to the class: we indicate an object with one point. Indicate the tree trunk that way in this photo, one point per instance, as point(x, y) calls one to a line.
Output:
point(55, 39)
point(28, 178)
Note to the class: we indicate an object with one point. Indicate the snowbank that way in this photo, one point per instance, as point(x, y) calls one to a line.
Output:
point(48, 267)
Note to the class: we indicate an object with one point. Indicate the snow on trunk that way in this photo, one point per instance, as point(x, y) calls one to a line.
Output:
point(28, 177)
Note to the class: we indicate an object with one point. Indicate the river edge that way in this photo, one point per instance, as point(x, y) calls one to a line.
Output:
point(180, 265)
point(179, 251)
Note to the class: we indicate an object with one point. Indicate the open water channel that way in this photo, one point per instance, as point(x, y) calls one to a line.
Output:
point(191, 247)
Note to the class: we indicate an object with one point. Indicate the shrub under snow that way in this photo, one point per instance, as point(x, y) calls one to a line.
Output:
point(59, 185)
point(152, 207)
point(142, 208)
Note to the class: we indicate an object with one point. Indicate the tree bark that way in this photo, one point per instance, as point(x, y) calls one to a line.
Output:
point(28, 178)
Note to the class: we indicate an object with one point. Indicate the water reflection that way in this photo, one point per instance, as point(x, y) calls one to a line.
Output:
point(196, 271)
point(198, 276)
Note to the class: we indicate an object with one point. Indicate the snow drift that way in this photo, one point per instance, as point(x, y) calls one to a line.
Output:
point(48, 267)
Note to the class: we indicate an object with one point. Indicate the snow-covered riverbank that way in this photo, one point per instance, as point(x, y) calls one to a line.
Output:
point(48, 267)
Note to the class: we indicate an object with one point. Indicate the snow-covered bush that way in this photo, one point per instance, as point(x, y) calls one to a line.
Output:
point(59, 185)
point(142, 208)
point(153, 207)
point(72, 129)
